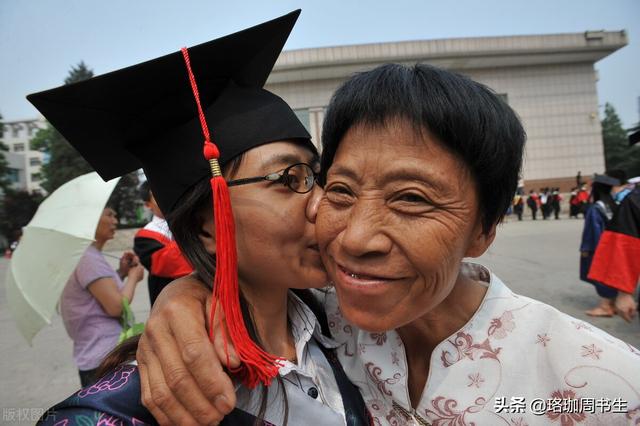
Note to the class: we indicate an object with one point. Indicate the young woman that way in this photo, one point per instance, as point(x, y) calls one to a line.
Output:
point(268, 165)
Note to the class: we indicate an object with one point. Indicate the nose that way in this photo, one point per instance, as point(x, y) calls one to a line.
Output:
point(364, 233)
point(313, 202)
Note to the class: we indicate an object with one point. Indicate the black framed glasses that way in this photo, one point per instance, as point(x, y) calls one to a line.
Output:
point(298, 177)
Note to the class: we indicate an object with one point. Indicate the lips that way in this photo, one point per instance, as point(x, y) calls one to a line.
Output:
point(363, 278)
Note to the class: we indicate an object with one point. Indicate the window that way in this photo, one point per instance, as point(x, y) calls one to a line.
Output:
point(18, 147)
point(14, 131)
point(303, 116)
point(34, 161)
point(13, 175)
point(35, 177)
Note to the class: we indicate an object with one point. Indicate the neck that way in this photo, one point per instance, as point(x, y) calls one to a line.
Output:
point(421, 336)
point(268, 307)
point(99, 244)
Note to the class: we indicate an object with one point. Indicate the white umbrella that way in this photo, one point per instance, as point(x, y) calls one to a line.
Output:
point(50, 248)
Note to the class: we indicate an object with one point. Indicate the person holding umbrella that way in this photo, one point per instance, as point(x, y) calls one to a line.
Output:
point(92, 300)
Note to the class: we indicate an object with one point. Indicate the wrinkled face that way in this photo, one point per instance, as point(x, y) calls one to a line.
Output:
point(106, 229)
point(275, 234)
point(399, 214)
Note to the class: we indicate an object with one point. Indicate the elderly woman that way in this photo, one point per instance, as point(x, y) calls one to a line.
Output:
point(419, 166)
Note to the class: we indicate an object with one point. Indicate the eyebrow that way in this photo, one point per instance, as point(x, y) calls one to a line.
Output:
point(411, 174)
point(285, 160)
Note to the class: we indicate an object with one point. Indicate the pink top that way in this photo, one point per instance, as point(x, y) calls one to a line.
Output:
point(93, 331)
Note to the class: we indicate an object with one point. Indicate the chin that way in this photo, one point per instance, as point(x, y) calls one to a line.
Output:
point(365, 319)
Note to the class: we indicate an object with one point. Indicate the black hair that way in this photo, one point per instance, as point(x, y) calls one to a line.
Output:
point(145, 191)
point(602, 192)
point(467, 117)
point(621, 175)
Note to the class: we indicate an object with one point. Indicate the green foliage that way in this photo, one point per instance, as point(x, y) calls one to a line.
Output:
point(18, 207)
point(618, 154)
point(125, 199)
point(64, 161)
point(5, 183)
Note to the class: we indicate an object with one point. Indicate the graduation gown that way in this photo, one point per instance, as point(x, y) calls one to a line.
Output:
point(616, 261)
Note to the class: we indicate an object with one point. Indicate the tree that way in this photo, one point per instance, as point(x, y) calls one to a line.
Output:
point(18, 207)
point(64, 161)
point(126, 198)
point(5, 181)
point(617, 153)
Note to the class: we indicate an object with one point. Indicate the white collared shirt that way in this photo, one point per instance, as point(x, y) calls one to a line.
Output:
point(312, 393)
point(515, 362)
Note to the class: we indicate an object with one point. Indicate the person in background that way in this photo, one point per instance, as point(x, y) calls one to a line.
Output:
point(157, 250)
point(556, 199)
point(574, 208)
point(91, 302)
point(596, 218)
point(532, 202)
point(518, 205)
point(583, 200)
point(546, 199)
point(615, 262)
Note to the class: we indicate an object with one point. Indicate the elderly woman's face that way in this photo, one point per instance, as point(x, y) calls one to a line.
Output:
point(399, 214)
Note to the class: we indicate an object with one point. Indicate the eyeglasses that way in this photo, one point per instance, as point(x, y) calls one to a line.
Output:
point(298, 177)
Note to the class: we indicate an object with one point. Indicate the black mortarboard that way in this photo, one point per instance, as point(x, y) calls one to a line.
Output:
point(606, 180)
point(144, 116)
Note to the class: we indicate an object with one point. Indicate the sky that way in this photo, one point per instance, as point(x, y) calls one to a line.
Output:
point(41, 39)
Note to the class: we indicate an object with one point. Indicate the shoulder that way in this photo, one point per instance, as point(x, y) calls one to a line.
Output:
point(572, 346)
point(93, 265)
point(158, 227)
point(114, 399)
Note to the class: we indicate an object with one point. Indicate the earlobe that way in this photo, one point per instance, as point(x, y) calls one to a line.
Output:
point(481, 241)
point(207, 237)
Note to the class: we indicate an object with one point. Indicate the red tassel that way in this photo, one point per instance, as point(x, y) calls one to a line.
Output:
point(257, 365)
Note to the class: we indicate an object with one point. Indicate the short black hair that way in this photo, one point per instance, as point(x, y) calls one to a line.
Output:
point(467, 117)
point(145, 191)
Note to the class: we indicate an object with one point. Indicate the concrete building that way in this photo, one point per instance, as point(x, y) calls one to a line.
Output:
point(549, 80)
point(24, 163)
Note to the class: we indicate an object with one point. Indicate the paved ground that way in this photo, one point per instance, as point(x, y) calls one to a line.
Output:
point(537, 259)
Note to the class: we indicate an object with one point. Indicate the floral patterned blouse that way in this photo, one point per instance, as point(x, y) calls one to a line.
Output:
point(516, 362)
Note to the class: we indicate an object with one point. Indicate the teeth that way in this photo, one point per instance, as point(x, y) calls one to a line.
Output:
point(354, 276)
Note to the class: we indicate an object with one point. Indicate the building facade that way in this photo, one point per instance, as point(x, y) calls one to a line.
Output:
point(549, 80)
point(24, 163)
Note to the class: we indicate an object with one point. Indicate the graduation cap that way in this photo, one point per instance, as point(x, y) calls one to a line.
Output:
point(156, 116)
point(144, 116)
point(605, 180)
